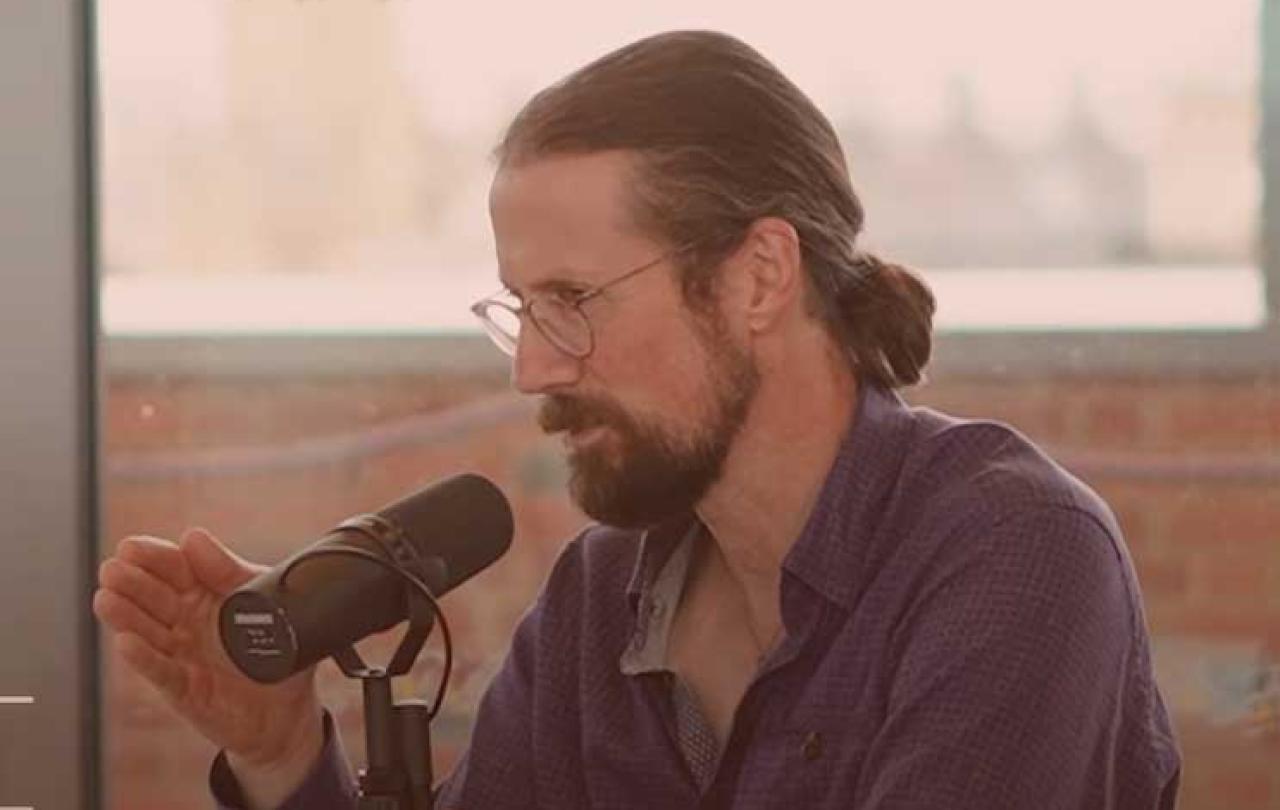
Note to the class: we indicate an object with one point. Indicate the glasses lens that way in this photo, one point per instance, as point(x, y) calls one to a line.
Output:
point(502, 324)
point(564, 325)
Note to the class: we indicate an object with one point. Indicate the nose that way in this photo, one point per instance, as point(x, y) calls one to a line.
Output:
point(538, 366)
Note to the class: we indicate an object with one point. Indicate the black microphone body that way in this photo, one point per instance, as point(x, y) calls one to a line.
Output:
point(455, 527)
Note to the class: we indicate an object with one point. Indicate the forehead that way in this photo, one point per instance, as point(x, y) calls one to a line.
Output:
point(564, 218)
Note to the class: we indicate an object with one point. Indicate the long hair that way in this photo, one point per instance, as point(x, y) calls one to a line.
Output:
point(722, 138)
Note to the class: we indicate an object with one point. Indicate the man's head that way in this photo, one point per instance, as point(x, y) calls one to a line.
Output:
point(692, 149)
point(653, 399)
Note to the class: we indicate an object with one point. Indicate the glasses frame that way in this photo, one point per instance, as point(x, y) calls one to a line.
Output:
point(529, 307)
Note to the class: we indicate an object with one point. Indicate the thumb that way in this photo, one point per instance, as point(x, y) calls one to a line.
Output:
point(215, 566)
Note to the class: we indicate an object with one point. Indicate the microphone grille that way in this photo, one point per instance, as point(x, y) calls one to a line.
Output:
point(465, 520)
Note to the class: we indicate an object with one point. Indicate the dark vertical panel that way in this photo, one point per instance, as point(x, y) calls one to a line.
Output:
point(48, 748)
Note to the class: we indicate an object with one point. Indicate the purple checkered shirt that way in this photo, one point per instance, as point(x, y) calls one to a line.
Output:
point(964, 631)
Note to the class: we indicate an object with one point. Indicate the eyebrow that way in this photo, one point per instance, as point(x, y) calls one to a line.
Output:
point(554, 284)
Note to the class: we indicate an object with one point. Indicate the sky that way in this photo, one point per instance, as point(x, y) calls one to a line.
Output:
point(471, 62)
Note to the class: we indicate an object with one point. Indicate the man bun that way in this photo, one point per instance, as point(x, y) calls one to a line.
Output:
point(885, 312)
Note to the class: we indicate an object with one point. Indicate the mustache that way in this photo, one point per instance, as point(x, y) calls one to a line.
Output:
point(559, 412)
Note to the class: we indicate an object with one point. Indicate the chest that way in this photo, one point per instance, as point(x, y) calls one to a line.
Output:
point(791, 735)
point(716, 652)
point(716, 660)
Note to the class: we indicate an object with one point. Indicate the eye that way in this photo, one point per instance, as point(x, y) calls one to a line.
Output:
point(566, 293)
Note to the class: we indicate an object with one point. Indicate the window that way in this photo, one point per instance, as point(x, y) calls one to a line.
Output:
point(293, 221)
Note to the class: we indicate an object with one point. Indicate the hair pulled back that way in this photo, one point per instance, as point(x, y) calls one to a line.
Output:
point(722, 139)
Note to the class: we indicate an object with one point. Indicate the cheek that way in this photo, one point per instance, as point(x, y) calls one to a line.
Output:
point(654, 373)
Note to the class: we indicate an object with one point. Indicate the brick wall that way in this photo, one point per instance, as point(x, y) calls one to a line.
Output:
point(1191, 467)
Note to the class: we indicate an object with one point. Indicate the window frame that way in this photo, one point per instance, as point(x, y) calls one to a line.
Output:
point(66, 298)
point(48, 483)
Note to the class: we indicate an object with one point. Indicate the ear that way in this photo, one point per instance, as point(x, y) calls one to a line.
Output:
point(768, 280)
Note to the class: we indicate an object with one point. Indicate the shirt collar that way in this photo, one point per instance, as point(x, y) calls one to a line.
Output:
point(833, 554)
point(656, 610)
point(656, 545)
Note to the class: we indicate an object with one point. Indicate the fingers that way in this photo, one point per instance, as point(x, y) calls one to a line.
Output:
point(163, 672)
point(214, 565)
point(141, 587)
point(125, 617)
point(161, 558)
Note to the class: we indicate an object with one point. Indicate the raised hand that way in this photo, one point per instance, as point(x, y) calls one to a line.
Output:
point(160, 601)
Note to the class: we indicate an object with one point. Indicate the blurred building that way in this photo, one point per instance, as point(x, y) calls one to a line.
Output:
point(321, 160)
point(963, 197)
point(1204, 185)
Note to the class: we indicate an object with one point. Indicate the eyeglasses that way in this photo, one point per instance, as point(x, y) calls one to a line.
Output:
point(558, 317)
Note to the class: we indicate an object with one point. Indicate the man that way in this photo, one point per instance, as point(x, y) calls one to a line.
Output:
point(801, 593)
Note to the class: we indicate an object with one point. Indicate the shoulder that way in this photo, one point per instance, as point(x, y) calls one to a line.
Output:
point(598, 557)
point(978, 490)
point(582, 605)
point(984, 471)
point(589, 580)
point(985, 459)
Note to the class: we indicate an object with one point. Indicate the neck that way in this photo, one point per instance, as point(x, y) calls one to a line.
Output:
point(773, 476)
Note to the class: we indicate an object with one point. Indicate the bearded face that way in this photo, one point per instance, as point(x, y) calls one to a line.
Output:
point(632, 471)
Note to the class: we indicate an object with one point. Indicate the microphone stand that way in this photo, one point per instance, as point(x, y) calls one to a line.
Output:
point(397, 733)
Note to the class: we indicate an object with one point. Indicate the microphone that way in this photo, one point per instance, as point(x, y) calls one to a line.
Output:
point(451, 529)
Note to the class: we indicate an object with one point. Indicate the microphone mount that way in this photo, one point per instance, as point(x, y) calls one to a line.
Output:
point(397, 733)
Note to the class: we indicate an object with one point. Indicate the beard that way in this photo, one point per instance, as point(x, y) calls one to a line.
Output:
point(647, 472)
